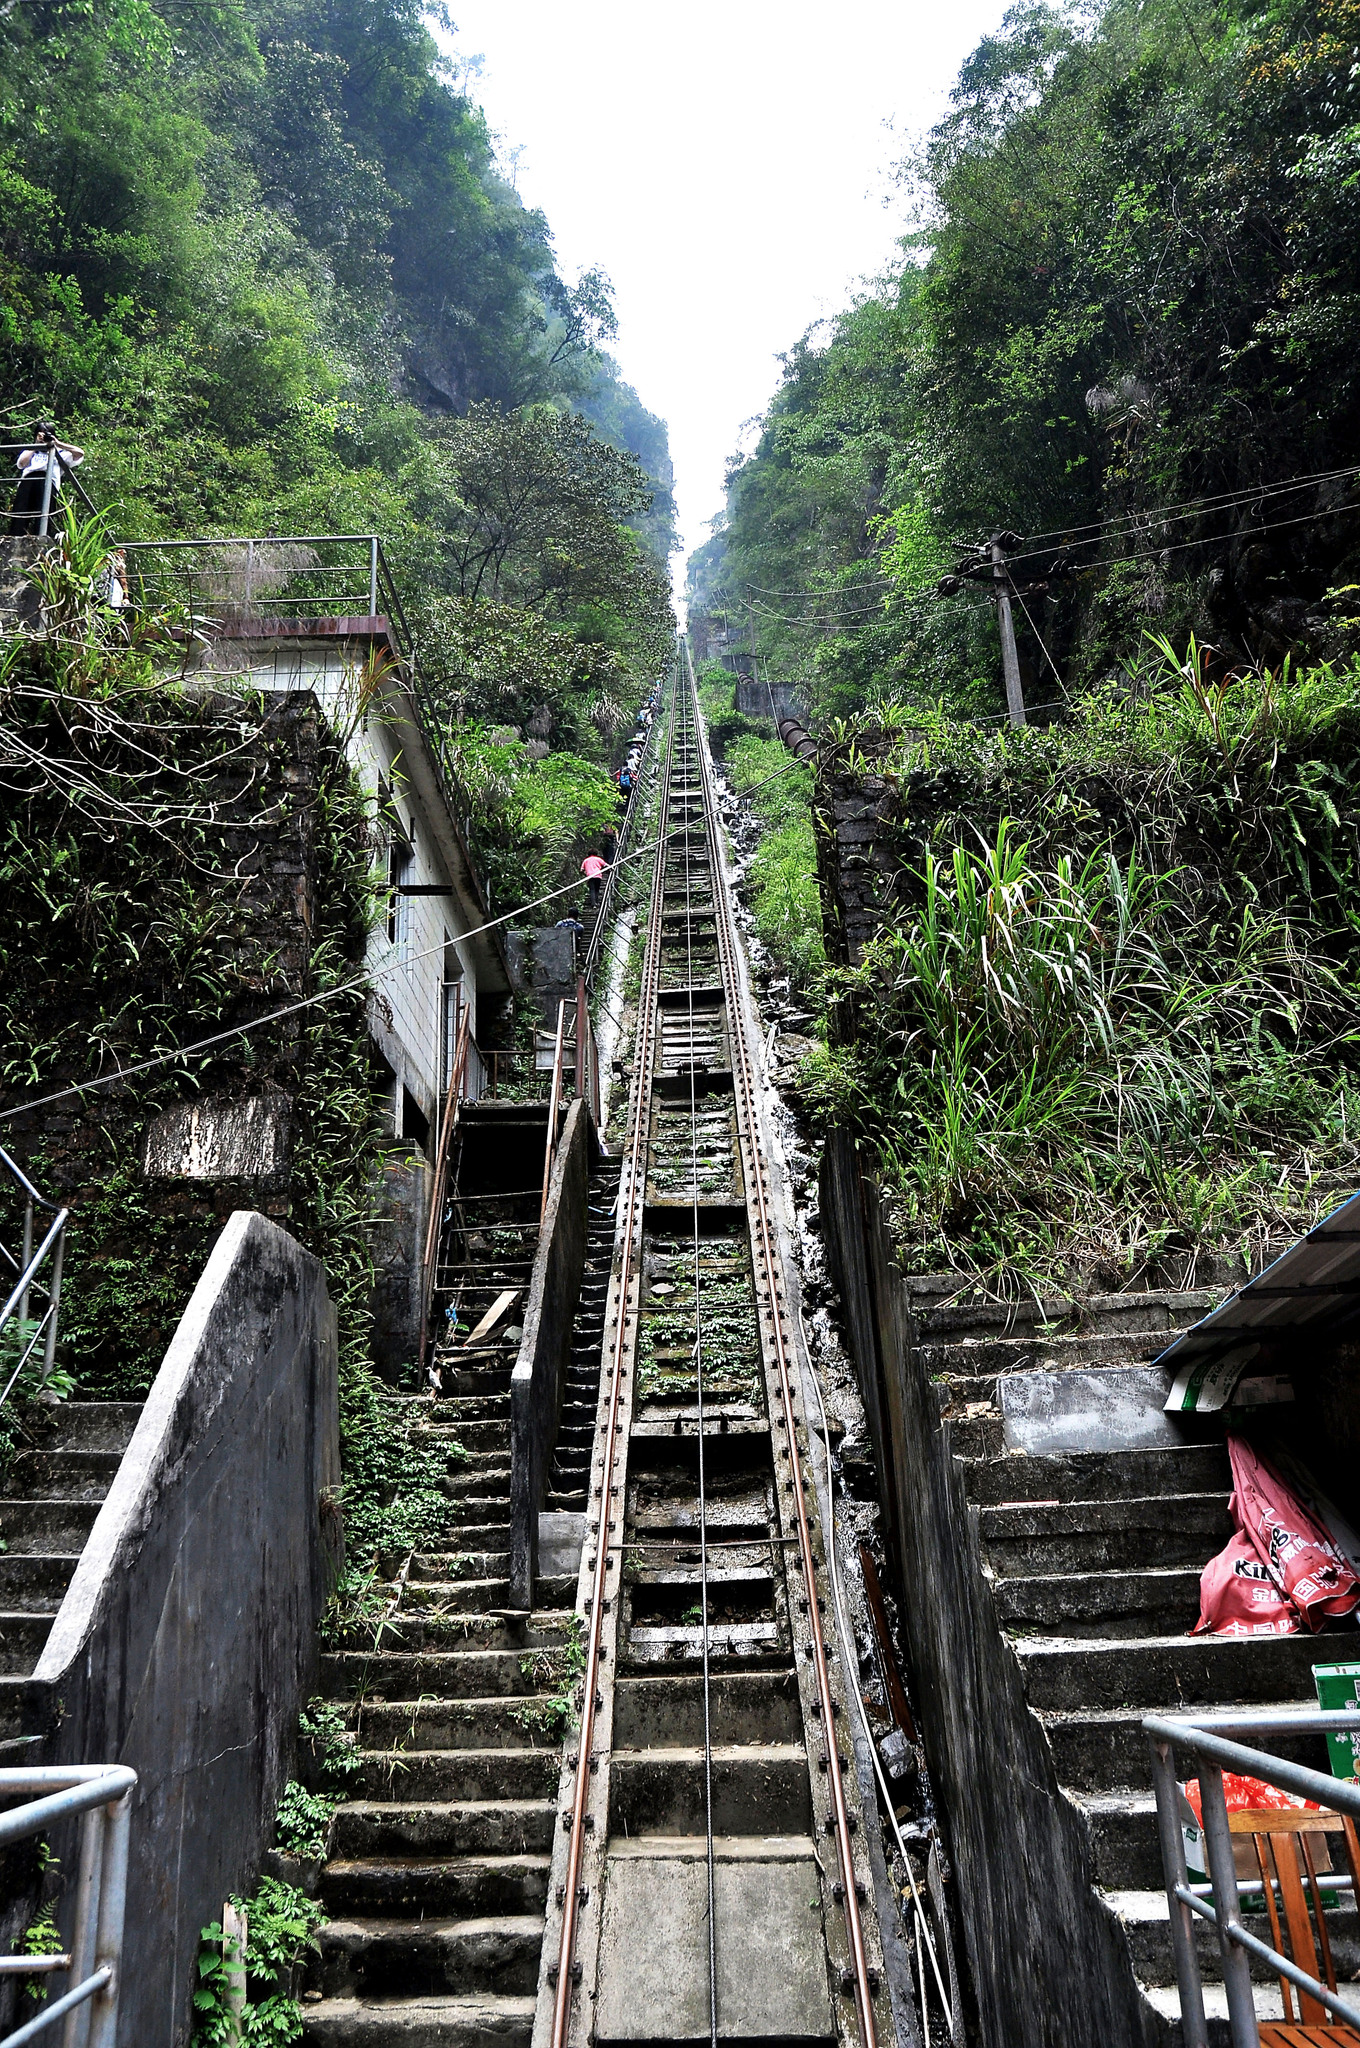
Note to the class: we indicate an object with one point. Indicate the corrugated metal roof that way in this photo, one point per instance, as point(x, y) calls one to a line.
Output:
point(1315, 1285)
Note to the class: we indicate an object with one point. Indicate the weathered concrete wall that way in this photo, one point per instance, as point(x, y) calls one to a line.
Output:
point(1048, 1963)
point(543, 966)
point(545, 1350)
point(186, 1641)
point(401, 1211)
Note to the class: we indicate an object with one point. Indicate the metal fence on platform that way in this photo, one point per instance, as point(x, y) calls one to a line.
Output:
point(99, 1793)
point(1290, 1881)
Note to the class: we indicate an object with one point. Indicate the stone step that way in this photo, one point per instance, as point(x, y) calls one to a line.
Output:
point(1189, 1670)
point(480, 1478)
point(456, 1409)
point(411, 1630)
point(1096, 1475)
point(441, 1567)
point(21, 1641)
point(965, 1357)
point(428, 1958)
point(469, 1827)
point(463, 1596)
point(1033, 1539)
point(86, 1426)
point(490, 1721)
point(477, 2020)
point(1122, 1827)
point(1145, 1918)
point(401, 1675)
point(1164, 2003)
point(46, 1527)
point(63, 1475)
point(976, 1436)
point(1097, 1314)
point(486, 1538)
point(484, 1434)
point(34, 1584)
point(480, 1512)
point(444, 1775)
point(1132, 1603)
point(757, 1789)
point(408, 1886)
point(1100, 1748)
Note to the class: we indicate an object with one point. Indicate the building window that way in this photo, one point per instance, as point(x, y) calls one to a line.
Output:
point(400, 854)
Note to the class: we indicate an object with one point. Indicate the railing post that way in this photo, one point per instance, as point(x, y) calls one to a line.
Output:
point(250, 573)
point(554, 1097)
point(1223, 1878)
point(28, 1254)
point(582, 1026)
point(54, 1299)
point(1194, 2033)
point(372, 575)
point(112, 1911)
point(89, 1886)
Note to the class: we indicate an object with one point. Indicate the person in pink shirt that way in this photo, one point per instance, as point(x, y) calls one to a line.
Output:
point(594, 867)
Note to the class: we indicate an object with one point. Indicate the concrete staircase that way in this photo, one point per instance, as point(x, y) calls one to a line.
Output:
point(437, 1877)
point(62, 1470)
point(1095, 1558)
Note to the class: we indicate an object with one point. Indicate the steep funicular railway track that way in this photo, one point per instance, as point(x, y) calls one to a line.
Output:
point(709, 1876)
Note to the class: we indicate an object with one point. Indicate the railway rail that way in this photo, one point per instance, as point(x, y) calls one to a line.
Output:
point(710, 1872)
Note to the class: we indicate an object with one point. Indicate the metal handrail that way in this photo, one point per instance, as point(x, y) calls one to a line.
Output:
point(27, 1268)
point(99, 1793)
point(447, 1129)
point(554, 1106)
point(1205, 1740)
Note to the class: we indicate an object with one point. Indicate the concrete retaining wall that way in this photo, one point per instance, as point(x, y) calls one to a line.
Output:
point(186, 1641)
point(537, 1383)
point(1048, 1965)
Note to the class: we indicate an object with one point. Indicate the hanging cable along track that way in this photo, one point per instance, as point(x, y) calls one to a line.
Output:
point(710, 1876)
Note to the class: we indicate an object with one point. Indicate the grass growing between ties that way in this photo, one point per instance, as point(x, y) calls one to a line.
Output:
point(1110, 1017)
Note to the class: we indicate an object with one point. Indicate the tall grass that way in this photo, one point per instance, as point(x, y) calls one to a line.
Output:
point(782, 875)
point(1113, 1013)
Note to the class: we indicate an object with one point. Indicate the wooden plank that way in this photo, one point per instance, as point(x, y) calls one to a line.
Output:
point(493, 1315)
point(1284, 1820)
point(1263, 1858)
point(1300, 1927)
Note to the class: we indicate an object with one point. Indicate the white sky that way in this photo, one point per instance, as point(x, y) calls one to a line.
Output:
point(727, 163)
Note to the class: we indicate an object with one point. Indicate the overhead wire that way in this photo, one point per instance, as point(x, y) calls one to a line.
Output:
point(1115, 526)
point(365, 979)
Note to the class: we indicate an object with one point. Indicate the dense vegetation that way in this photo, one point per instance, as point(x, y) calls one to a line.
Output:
point(1108, 1019)
point(1133, 284)
point(128, 801)
point(261, 263)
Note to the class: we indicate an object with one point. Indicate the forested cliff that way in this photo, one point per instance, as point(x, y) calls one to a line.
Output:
point(1133, 283)
point(261, 262)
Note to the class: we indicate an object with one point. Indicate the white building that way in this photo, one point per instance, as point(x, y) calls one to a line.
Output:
point(258, 608)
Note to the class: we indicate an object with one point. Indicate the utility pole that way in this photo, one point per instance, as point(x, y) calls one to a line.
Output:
point(1010, 660)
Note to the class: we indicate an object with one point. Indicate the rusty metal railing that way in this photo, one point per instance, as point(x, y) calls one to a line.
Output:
point(448, 1127)
point(17, 1325)
point(1219, 1901)
point(100, 1794)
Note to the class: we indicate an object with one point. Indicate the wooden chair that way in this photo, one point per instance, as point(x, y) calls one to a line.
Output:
point(1285, 1855)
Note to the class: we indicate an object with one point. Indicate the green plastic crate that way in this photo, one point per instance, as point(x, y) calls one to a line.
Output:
point(1338, 1685)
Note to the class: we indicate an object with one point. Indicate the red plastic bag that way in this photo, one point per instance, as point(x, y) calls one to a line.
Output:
point(1250, 1795)
point(1238, 1597)
point(1290, 1541)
